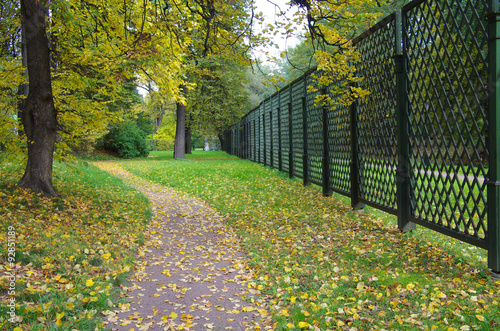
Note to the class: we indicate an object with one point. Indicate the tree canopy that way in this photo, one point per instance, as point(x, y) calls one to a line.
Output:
point(195, 53)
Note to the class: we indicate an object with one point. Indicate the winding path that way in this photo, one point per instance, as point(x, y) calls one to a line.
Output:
point(190, 274)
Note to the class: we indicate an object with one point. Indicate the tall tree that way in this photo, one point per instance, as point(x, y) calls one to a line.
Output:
point(217, 28)
point(39, 115)
point(180, 129)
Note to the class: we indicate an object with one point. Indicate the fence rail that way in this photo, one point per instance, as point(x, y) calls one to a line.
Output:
point(423, 145)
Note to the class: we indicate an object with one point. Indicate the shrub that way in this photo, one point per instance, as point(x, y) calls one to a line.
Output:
point(126, 140)
point(160, 144)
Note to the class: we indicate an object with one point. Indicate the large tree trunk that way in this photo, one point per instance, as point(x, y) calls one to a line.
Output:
point(188, 140)
point(39, 115)
point(180, 129)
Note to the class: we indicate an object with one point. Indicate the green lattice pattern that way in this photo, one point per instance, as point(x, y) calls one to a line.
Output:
point(285, 129)
point(339, 146)
point(376, 117)
point(297, 128)
point(314, 134)
point(447, 74)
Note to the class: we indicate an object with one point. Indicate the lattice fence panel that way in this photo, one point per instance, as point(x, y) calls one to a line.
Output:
point(261, 133)
point(339, 145)
point(274, 106)
point(297, 128)
point(376, 116)
point(314, 120)
point(447, 65)
point(285, 129)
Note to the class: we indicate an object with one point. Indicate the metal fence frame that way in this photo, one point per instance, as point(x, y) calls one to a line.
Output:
point(376, 151)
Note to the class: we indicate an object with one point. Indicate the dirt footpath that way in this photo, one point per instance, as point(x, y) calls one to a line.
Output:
point(191, 274)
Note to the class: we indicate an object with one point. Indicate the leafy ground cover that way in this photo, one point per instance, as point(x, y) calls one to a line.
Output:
point(323, 266)
point(71, 252)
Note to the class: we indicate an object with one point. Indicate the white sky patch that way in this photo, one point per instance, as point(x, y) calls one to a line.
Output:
point(271, 10)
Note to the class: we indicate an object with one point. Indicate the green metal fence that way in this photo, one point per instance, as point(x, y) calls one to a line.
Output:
point(423, 144)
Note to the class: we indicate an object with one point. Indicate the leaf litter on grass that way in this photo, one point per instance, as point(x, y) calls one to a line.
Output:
point(191, 273)
point(322, 266)
point(69, 252)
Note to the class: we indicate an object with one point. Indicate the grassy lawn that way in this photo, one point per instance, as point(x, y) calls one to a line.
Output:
point(324, 266)
point(72, 252)
point(320, 265)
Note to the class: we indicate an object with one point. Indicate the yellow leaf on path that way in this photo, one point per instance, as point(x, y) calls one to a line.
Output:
point(173, 315)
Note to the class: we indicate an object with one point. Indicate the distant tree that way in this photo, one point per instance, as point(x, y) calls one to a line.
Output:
point(219, 98)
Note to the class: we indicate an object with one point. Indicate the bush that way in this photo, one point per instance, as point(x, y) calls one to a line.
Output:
point(160, 144)
point(126, 140)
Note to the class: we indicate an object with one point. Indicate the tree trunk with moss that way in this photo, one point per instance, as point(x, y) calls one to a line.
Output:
point(39, 115)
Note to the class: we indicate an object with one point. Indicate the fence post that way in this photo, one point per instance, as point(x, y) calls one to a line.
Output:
point(493, 182)
point(403, 171)
point(325, 172)
point(247, 140)
point(254, 135)
point(290, 137)
point(246, 131)
point(258, 137)
point(261, 147)
point(355, 182)
point(280, 157)
point(271, 136)
point(264, 134)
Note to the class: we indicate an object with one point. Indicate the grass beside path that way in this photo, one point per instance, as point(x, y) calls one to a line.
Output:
point(71, 253)
point(324, 266)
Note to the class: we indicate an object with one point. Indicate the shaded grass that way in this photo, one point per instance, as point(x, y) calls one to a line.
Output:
point(70, 252)
point(324, 266)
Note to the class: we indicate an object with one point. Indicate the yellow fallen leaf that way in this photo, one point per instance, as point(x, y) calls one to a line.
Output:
point(59, 316)
point(290, 325)
point(106, 256)
point(303, 324)
point(89, 282)
point(173, 315)
point(480, 317)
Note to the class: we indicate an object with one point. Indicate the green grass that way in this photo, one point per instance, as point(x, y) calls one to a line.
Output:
point(325, 265)
point(320, 263)
point(89, 233)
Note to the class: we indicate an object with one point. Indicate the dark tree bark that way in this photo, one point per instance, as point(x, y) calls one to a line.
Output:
point(157, 123)
point(180, 129)
point(39, 115)
point(188, 140)
point(221, 139)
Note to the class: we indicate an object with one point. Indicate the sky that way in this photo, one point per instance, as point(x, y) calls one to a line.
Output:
point(269, 10)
